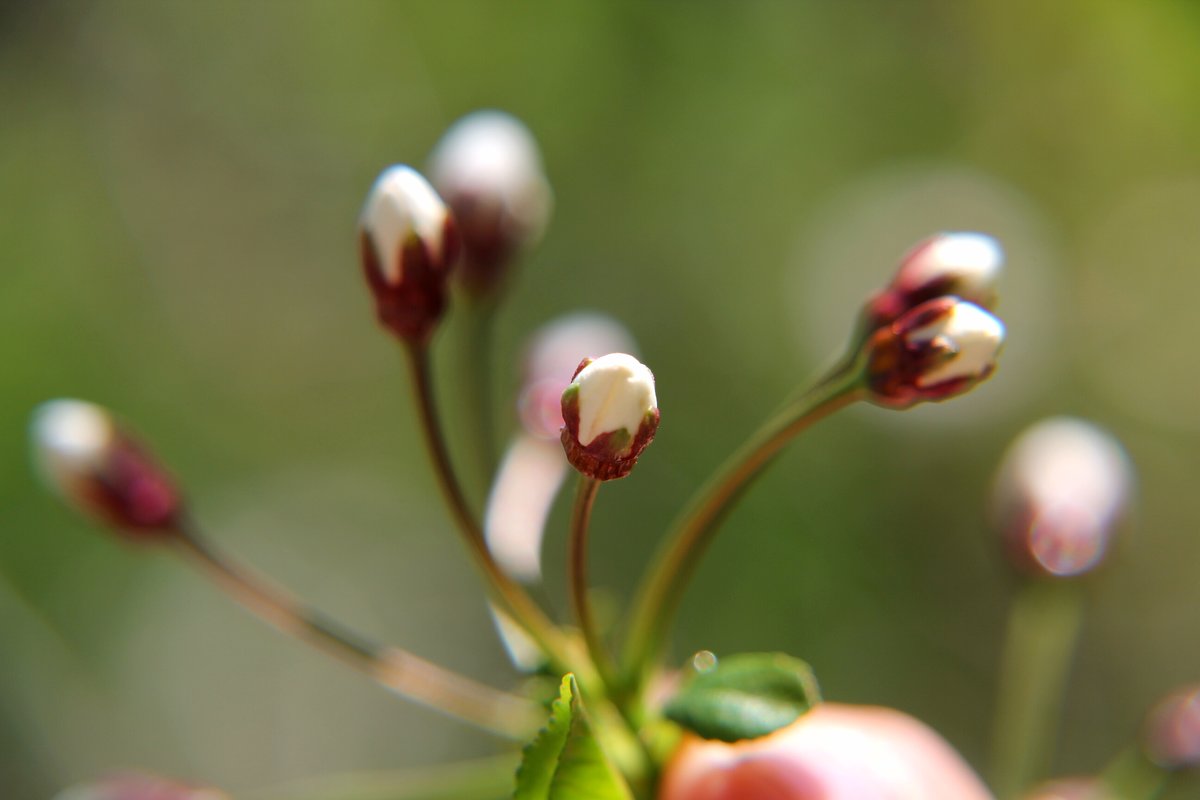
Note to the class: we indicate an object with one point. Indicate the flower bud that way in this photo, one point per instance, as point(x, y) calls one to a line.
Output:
point(965, 265)
point(98, 468)
point(137, 786)
point(834, 752)
point(1172, 735)
point(1061, 490)
point(611, 414)
point(939, 349)
point(488, 168)
point(408, 244)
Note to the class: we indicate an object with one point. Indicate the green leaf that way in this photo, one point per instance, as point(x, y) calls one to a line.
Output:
point(745, 697)
point(565, 761)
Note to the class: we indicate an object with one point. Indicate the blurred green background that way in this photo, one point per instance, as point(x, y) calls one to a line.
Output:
point(179, 184)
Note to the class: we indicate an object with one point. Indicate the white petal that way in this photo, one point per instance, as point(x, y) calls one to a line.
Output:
point(402, 203)
point(615, 391)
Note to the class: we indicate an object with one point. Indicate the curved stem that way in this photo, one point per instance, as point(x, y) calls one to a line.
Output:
point(1043, 626)
point(504, 589)
point(663, 586)
point(1132, 776)
point(396, 669)
point(581, 606)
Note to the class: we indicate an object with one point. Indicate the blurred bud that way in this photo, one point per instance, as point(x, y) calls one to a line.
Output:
point(939, 349)
point(611, 414)
point(488, 168)
point(553, 352)
point(965, 265)
point(408, 244)
point(1071, 789)
point(138, 787)
point(1061, 490)
point(98, 468)
point(834, 752)
point(1172, 734)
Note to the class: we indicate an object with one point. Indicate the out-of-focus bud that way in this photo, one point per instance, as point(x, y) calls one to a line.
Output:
point(1172, 734)
point(101, 470)
point(1061, 490)
point(834, 752)
point(939, 349)
point(553, 352)
point(408, 243)
point(965, 265)
point(137, 786)
point(488, 168)
point(611, 414)
point(1071, 789)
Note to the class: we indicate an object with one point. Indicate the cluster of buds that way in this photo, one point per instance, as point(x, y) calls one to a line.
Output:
point(1061, 491)
point(101, 470)
point(610, 413)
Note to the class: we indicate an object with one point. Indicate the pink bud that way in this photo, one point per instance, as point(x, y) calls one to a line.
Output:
point(940, 349)
point(1061, 490)
point(965, 265)
point(834, 752)
point(1172, 735)
point(102, 470)
point(408, 244)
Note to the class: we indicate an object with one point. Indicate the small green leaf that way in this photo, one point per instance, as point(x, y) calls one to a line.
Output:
point(565, 761)
point(745, 697)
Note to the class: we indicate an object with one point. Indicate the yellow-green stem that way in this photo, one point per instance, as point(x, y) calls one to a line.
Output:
point(577, 578)
point(1133, 776)
point(504, 589)
point(1043, 627)
point(394, 668)
point(663, 585)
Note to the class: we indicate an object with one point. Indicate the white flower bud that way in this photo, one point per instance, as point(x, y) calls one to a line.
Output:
point(408, 243)
point(962, 264)
point(611, 414)
point(939, 349)
point(488, 168)
point(95, 466)
point(1061, 490)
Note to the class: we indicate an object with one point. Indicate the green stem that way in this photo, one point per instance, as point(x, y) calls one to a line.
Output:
point(1043, 628)
point(481, 779)
point(581, 606)
point(504, 589)
point(475, 383)
point(1132, 776)
point(663, 585)
point(396, 669)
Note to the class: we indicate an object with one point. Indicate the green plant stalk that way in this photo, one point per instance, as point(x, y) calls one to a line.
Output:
point(503, 588)
point(481, 779)
point(394, 668)
point(663, 586)
point(1132, 776)
point(577, 578)
point(1043, 627)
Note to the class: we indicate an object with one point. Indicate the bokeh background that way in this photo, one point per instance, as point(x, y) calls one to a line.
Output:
point(179, 184)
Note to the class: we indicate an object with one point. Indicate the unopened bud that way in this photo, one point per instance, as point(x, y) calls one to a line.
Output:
point(102, 471)
point(965, 265)
point(1172, 736)
point(488, 168)
point(137, 786)
point(408, 244)
point(940, 349)
point(1061, 491)
point(611, 414)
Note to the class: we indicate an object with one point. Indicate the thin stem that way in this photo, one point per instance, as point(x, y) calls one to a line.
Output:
point(581, 605)
point(1043, 627)
point(1132, 776)
point(396, 669)
point(475, 384)
point(663, 586)
point(509, 593)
